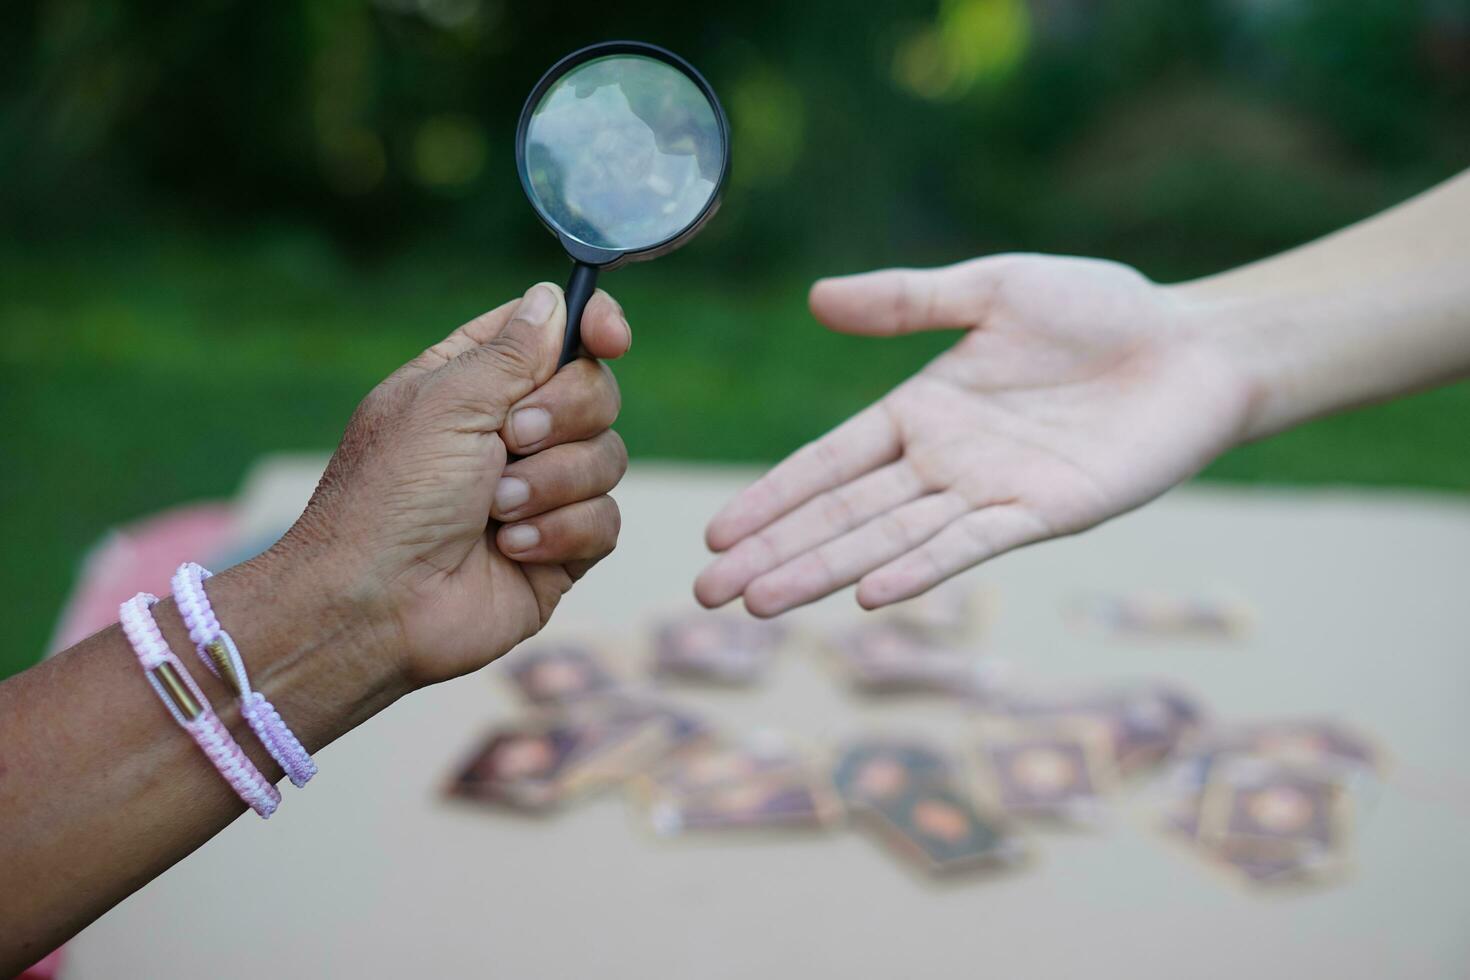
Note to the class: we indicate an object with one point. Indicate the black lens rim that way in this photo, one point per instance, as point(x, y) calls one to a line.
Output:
point(604, 258)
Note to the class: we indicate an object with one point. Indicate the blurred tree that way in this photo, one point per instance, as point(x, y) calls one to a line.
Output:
point(890, 130)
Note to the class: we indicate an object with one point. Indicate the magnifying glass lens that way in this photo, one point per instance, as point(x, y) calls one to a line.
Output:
point(622, 148)
point(623, 152)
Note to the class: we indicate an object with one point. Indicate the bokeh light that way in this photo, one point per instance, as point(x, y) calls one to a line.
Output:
point(448, 151)
point(971, 41)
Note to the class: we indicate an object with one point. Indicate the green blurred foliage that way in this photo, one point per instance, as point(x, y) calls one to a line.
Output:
point(1176, 135)
point(221, 222)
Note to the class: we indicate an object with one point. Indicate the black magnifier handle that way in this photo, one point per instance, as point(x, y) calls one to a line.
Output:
point(580, 288)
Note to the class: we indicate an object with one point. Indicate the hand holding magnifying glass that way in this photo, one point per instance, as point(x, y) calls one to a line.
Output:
point(623, 150)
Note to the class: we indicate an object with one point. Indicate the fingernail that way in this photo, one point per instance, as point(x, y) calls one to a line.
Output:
point(510, 493)
point(531, 425)
point(520, 537)
point(537, 305)
point(627, 335)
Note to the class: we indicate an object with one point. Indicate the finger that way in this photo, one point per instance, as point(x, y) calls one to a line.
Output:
point(550, 582)
point(583, 531)
point(843, 561)
point(973, 538)
point(559, 476)
point(896, 301)
point(820, 519)
point(862, 443)
point(476, 389)
point(576, 569)
point(580, 400)
point(605, 330)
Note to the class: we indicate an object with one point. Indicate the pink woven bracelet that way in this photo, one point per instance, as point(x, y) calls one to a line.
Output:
point(183, 699)
point(219, 653)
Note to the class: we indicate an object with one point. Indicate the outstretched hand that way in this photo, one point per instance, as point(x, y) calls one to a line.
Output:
point(1079, 391)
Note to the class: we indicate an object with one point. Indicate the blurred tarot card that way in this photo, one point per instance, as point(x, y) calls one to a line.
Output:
point(624, 738)
point(1260, 801)
point(712, 765)
point(872, 770)
point(1319, 743)
point(1161, 616)
point(539, 763)
point(641, 735)
point(1144, 723)
point(762, 782)
point(1313, 742)
point(1260, 865)
point(1052, 771)
point(559, 674)
point(895, 656)
point(721, 648)
point(783, 799)
point(1267, 822)
point(684, 729)
point(941, 832)
point(521, 766)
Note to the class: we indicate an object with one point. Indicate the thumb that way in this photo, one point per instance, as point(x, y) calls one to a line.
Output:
point(484, 380)
point(897, 301)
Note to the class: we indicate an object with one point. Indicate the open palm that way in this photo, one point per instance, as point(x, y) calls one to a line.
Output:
point(1078, 392)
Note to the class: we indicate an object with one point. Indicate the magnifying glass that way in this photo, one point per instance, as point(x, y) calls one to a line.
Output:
point(623, 150)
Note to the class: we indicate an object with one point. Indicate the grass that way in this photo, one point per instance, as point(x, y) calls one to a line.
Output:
point(138, 376)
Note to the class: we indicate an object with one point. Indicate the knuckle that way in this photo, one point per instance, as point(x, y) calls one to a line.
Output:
point(769, 548)
point(610, 300)
point(613, 517)
point(617, 451)
point(601, 523)
point(837, 511)
point(451, 400)
point(934, 568)
point(439, 353)
point(824, 453)
point(513, 352)
point(593, 394)
point(905, 297)
point(614, 398)
point(916, 300)
point(893, 529)
point(770, 493)
point(977, 532)
point(823, 564)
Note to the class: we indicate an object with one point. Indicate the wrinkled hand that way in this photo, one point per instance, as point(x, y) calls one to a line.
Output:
point(1080, 391)
point(453, 552)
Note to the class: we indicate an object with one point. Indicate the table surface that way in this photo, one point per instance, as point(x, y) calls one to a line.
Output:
point(1362, 614)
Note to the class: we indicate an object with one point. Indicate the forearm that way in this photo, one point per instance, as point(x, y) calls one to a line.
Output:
point(101, 791)
point(1379, 309)
point(394, 577)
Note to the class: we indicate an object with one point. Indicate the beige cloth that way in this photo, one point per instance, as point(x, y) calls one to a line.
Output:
point(1361, 600)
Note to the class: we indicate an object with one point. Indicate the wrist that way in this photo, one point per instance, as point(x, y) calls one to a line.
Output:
point(323, 655)
point(339, 589)
point(1231, 329)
